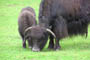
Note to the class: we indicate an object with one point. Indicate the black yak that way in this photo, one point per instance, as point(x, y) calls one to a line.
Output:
point(36, 35)
point(65, 17)
point(26, 19)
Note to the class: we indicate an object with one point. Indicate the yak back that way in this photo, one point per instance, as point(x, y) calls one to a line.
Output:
point(29, 9)
point(54, 7)
point(26, 19)
point(51, 9)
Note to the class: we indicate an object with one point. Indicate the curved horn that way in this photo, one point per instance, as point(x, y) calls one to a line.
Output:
point(28, 29)
point(51, 32)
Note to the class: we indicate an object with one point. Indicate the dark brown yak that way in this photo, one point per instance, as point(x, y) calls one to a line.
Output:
point(26, 19)
point(36, 35)
point(65, 17)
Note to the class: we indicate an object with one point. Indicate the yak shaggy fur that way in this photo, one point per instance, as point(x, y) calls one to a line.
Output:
point(65, 17)
point(26, 19)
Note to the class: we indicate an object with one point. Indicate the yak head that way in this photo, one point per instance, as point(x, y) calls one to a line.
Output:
point(37, 36)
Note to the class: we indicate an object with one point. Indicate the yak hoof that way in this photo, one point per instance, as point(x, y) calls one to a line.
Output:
point(24, 46)
point(57, 48)
point(35, 50)
point(50, 47)
point(30, 47)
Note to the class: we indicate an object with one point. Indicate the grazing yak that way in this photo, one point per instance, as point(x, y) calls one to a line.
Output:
point(26, 19)
point(64, 17)
point(36, 35)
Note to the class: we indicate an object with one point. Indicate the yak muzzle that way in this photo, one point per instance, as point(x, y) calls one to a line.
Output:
point(35, 49)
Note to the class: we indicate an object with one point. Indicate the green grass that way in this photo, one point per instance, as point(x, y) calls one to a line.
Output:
point(73, 48)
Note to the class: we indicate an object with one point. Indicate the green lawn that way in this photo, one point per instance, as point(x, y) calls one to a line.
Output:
point(73, 48)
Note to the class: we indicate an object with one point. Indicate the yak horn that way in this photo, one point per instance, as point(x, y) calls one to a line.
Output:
point(51, 32)
point(46, 30)
point(28, 29)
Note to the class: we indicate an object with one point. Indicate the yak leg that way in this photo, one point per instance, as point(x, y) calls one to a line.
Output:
point(30, 43)
point(86, 32)
point(57, 45)
point(51, 43)
point(85, 20)
point(24, 41)
point(60, 30)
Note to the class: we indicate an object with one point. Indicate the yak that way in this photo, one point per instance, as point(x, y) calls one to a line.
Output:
point(26, 19)
point(65, 17)
point(36, 35)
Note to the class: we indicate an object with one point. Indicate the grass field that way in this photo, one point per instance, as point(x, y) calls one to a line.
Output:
point(73, 48)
